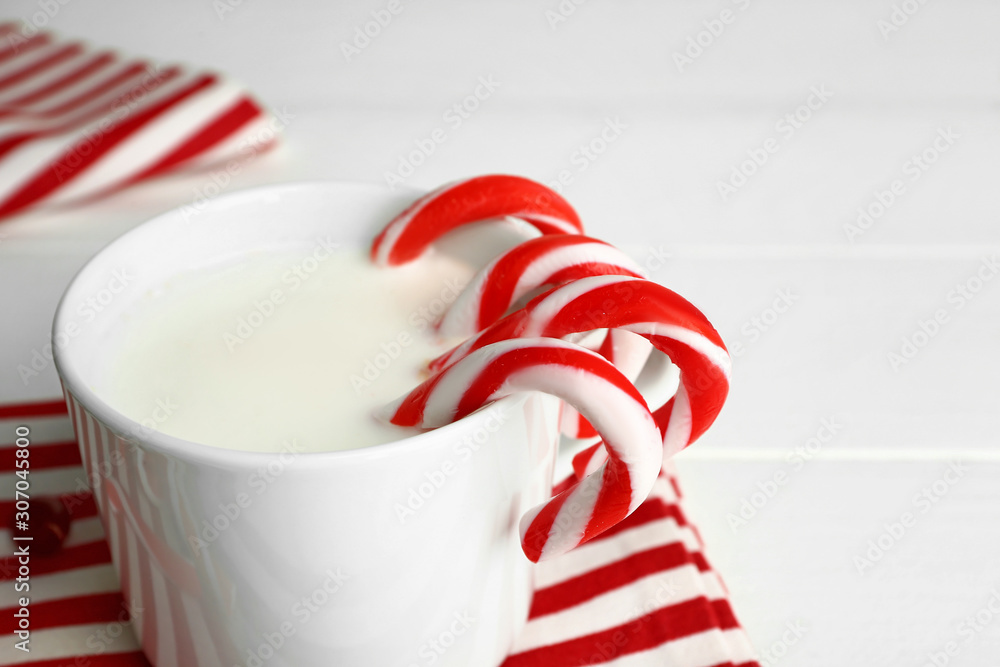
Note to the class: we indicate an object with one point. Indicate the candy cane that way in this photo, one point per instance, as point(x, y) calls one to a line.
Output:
point(543, 261)
point(580, 377)
point(410, 233)
point(672, 325)
point(628, 352)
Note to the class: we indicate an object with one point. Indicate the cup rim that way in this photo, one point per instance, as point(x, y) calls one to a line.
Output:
point(74, 384)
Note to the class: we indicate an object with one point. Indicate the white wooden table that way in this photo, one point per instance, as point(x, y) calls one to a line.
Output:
point(734, 170)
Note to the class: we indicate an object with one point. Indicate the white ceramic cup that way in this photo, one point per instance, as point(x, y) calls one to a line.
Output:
point(238, 558)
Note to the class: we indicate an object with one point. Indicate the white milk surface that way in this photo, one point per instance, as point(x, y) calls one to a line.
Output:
point(283, 350)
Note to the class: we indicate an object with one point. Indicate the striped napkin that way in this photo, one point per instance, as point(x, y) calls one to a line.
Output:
point(76, 122)
point(641, 594)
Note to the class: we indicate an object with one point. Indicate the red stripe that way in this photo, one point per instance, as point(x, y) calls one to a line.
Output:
point(604, 579)
point(126, 659)
point(498, 289)
point(55, 407)
point(72, 164)
point(27, 45)
point(96, 608)
point(111, 84)
point(43, 456)
point(654, 509)
point(642, 634)
point(96, 63)
point(69, 558)
point(613, 500)
point(62, 54)
point(473, 200)
point(232, 119)
point(537, 534)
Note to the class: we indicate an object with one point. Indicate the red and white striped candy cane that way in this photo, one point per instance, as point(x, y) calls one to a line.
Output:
point(628, 352)
point(539, 262)
point(546, 260)
point(671, 323)
point(410, 233)
point(580, 377)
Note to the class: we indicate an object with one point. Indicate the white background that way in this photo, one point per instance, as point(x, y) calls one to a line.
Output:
point(654, 191)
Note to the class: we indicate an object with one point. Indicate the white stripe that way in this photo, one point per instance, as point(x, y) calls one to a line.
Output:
point(26, 59)
point(625, 424)
point(46, 77)
point(600, 553)
point(135, 81)
point(200, 637)
point(44, 430)
point(703, 649)
point(571, 255)
point(396, 228)
point(72, 583)
point(443, 401)
point(70, 641)
point(551, 305)
point(696, 341)
point(245, 142)
point(614, 608)
point(163, 618)
point(135, 90)
point(48, 482)
point(89, 82)
point(83, 531)
point(462, 317)
point(573, 517)
point(678, 434)
point(133, 588)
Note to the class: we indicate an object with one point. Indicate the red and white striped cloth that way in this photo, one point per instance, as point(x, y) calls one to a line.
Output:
point(639, 595)
point(76, 122)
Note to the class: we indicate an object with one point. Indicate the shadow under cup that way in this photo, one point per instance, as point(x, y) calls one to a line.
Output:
point(241, 558)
